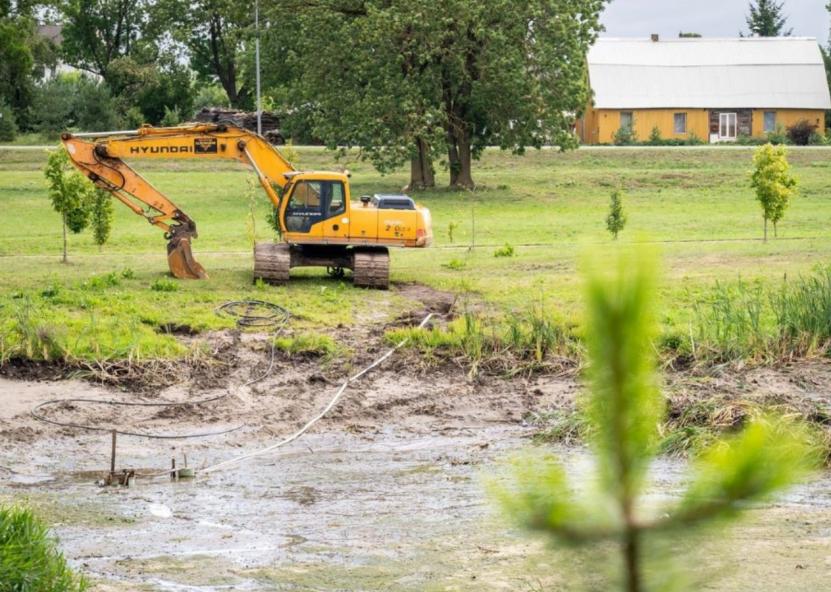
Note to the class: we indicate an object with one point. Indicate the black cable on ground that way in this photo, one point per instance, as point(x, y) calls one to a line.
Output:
point(248, 313)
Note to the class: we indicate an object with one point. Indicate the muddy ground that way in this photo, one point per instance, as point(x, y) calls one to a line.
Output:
point(384, 493)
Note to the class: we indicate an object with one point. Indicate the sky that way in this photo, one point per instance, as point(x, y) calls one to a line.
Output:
point(711, 18)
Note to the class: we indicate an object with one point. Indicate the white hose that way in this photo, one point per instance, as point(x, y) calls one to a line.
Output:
point(319, 416)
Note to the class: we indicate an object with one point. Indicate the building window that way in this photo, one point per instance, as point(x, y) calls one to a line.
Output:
point(770, 121)
point(627, 120)
point(680, 123)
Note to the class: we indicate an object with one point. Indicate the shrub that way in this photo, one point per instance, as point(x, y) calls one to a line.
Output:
point(748, 140)
point(800, 133)
point(817, 139)
point(8, 124)
point(133, 118)
point(625, 136)
point(778, 136)
point(29, 558)
point(655, 137)
point(694, 140)
point(100, 282)
point(152, 87)
point(210, 95)
point(73, 101)
point(454, 264)
point(171, 117)
point(164, 285)
point(505, 251)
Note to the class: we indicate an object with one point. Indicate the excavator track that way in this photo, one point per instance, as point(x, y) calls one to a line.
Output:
point(371, 268)
point(272, 262)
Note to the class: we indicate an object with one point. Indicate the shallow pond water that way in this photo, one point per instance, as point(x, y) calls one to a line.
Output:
point(388, 512)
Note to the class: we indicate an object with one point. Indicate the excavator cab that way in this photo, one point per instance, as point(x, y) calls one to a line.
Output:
point(315, 208)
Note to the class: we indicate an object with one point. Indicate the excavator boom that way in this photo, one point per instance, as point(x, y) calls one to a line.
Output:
point(100, 156)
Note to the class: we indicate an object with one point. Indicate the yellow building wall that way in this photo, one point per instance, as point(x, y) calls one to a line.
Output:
point(602, 124)
point(786, 118)
point(599, 126)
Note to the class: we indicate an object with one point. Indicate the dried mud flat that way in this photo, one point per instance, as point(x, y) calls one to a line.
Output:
point(384, 493)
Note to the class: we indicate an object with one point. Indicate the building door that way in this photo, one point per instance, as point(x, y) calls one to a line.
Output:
point(727, 124)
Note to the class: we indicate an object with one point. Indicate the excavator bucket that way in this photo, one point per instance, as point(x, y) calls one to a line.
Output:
point(181, 262)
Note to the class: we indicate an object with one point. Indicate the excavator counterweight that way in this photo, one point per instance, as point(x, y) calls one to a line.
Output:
point(319, 223)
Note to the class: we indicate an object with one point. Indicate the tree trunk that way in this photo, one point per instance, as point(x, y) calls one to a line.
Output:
point(631, 554)
point(766, 230)
point(775, 231)
point(452, 159)
point(65, 260)
point(465, 176)
point(459, 157)
point(422, 174)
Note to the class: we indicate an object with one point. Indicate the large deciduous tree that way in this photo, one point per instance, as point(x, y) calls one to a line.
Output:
point(97, 33)
point(23, 55)
point(766, 19)
point(418, 79)
point(215, 33)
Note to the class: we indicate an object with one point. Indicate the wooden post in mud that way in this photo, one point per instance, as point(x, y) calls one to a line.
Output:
point(112, 457)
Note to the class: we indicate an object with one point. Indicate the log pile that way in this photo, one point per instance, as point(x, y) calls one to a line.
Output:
point(244, 119)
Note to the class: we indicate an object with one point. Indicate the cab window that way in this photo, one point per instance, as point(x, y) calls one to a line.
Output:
point(312, 202)
point(336, 202)
point(306, 195)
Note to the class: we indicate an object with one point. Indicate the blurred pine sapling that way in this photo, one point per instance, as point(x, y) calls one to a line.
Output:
point(623, 409)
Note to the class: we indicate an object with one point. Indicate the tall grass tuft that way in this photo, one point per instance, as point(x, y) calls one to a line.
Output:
point(29, 558)
point(747, 321)
point(803, 313)
point(731, 323)
point(33, 338)
point(507, 345)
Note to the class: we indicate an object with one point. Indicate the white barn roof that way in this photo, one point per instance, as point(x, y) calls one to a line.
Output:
point(772, 73)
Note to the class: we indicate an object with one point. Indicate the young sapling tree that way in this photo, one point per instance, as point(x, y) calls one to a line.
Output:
point(616, 220)
point(101, 216)
point(773, 182)
point(623, 410)
point(69, 192)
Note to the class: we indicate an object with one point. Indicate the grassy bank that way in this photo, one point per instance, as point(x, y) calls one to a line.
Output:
point(694, 205)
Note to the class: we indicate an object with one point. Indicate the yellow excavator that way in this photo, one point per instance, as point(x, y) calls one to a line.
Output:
point(320, 225)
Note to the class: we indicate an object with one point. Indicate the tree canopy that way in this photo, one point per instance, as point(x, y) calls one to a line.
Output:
point(767, 19)
point(431, 80)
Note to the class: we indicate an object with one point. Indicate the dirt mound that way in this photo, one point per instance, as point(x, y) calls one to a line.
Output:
point(435, 301)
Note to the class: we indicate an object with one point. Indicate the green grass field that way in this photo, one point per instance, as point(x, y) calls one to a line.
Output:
point(694, 206)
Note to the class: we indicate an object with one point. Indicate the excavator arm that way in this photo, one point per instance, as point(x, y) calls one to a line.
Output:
point(99, 156)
